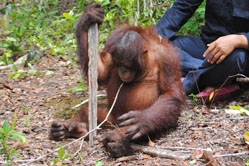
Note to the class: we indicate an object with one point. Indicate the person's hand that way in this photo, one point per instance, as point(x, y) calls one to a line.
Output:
point(223, 46)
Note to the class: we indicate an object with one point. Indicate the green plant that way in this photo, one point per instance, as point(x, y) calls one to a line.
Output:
point(194, 24)
point(190, 116)
point(200, 117)
point(49, 26)
point(25, 110)
point(20, 73)
point(6, 58)
point(38, 22)
point(7, 133)
point(98, 163)
point(246, 137)
point(79, 88)
point(193, 162)
point(194, 97)
point(241, 110)
point(27, 122)
point(62, 155)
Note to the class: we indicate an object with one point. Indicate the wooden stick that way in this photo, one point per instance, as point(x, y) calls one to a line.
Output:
point(93, 41)
point(85, 101)
point(175, 155)
point(242, 79)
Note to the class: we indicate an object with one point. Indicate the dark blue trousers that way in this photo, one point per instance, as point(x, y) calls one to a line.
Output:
point(197, 70)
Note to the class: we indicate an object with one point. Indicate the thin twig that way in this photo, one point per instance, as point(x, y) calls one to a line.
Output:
point(85, 101)
point(232, 154)
point(183, 148)
point(222, 85)
point(161, 152)
point(197, 86)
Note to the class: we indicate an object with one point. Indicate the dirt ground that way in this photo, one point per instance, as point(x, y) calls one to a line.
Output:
point(206, 135)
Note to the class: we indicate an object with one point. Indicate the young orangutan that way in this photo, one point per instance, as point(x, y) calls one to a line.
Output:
point(152, 96)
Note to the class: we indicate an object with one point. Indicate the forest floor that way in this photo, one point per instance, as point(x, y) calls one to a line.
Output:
point(36, 100)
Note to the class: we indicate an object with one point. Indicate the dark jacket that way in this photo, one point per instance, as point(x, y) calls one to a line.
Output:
point(222, 17)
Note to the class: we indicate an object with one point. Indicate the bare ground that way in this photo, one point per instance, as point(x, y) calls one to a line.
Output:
point(37, 99)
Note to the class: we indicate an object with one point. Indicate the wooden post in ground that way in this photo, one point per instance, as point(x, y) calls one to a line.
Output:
point(93, 44)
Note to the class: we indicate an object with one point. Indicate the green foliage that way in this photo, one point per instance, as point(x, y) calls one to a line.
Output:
point(20, 73)
point(6, 58)
point(194, 24)
point(246, 137)
point(62, 155)
point(193, 162)
point(79, 88)
point(29, 23)
point(123, 11)
point(190, 116)
point(98, 163)
point(198, 101)
point(49, 27)
point(27, 122)
point(241, 110)
point(7, 133)
point(46, 25)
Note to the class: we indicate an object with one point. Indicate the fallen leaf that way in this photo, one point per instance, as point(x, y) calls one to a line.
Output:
point(198, 153)
point(145, 156)
point(151, 144)
point(211, 95)
point(246, 138)
point(233, 138)
point(126, 158)
point(209, 159)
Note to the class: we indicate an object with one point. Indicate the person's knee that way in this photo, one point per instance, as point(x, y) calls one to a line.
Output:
point(239, 59)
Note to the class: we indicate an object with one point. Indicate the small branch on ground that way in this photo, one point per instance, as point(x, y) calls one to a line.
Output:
point(232, 154)
point(175, 155)
point(85, 101)
point(18, 62)
point(126, 158)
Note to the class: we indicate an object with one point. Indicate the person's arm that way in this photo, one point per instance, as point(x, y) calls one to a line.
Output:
point(245, 43)
point(175, 17)
point(225, 45)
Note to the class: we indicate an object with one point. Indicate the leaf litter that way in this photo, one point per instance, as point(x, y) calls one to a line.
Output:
point(209, 134)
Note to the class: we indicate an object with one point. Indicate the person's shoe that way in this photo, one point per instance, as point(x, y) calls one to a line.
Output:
point(218, 94)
